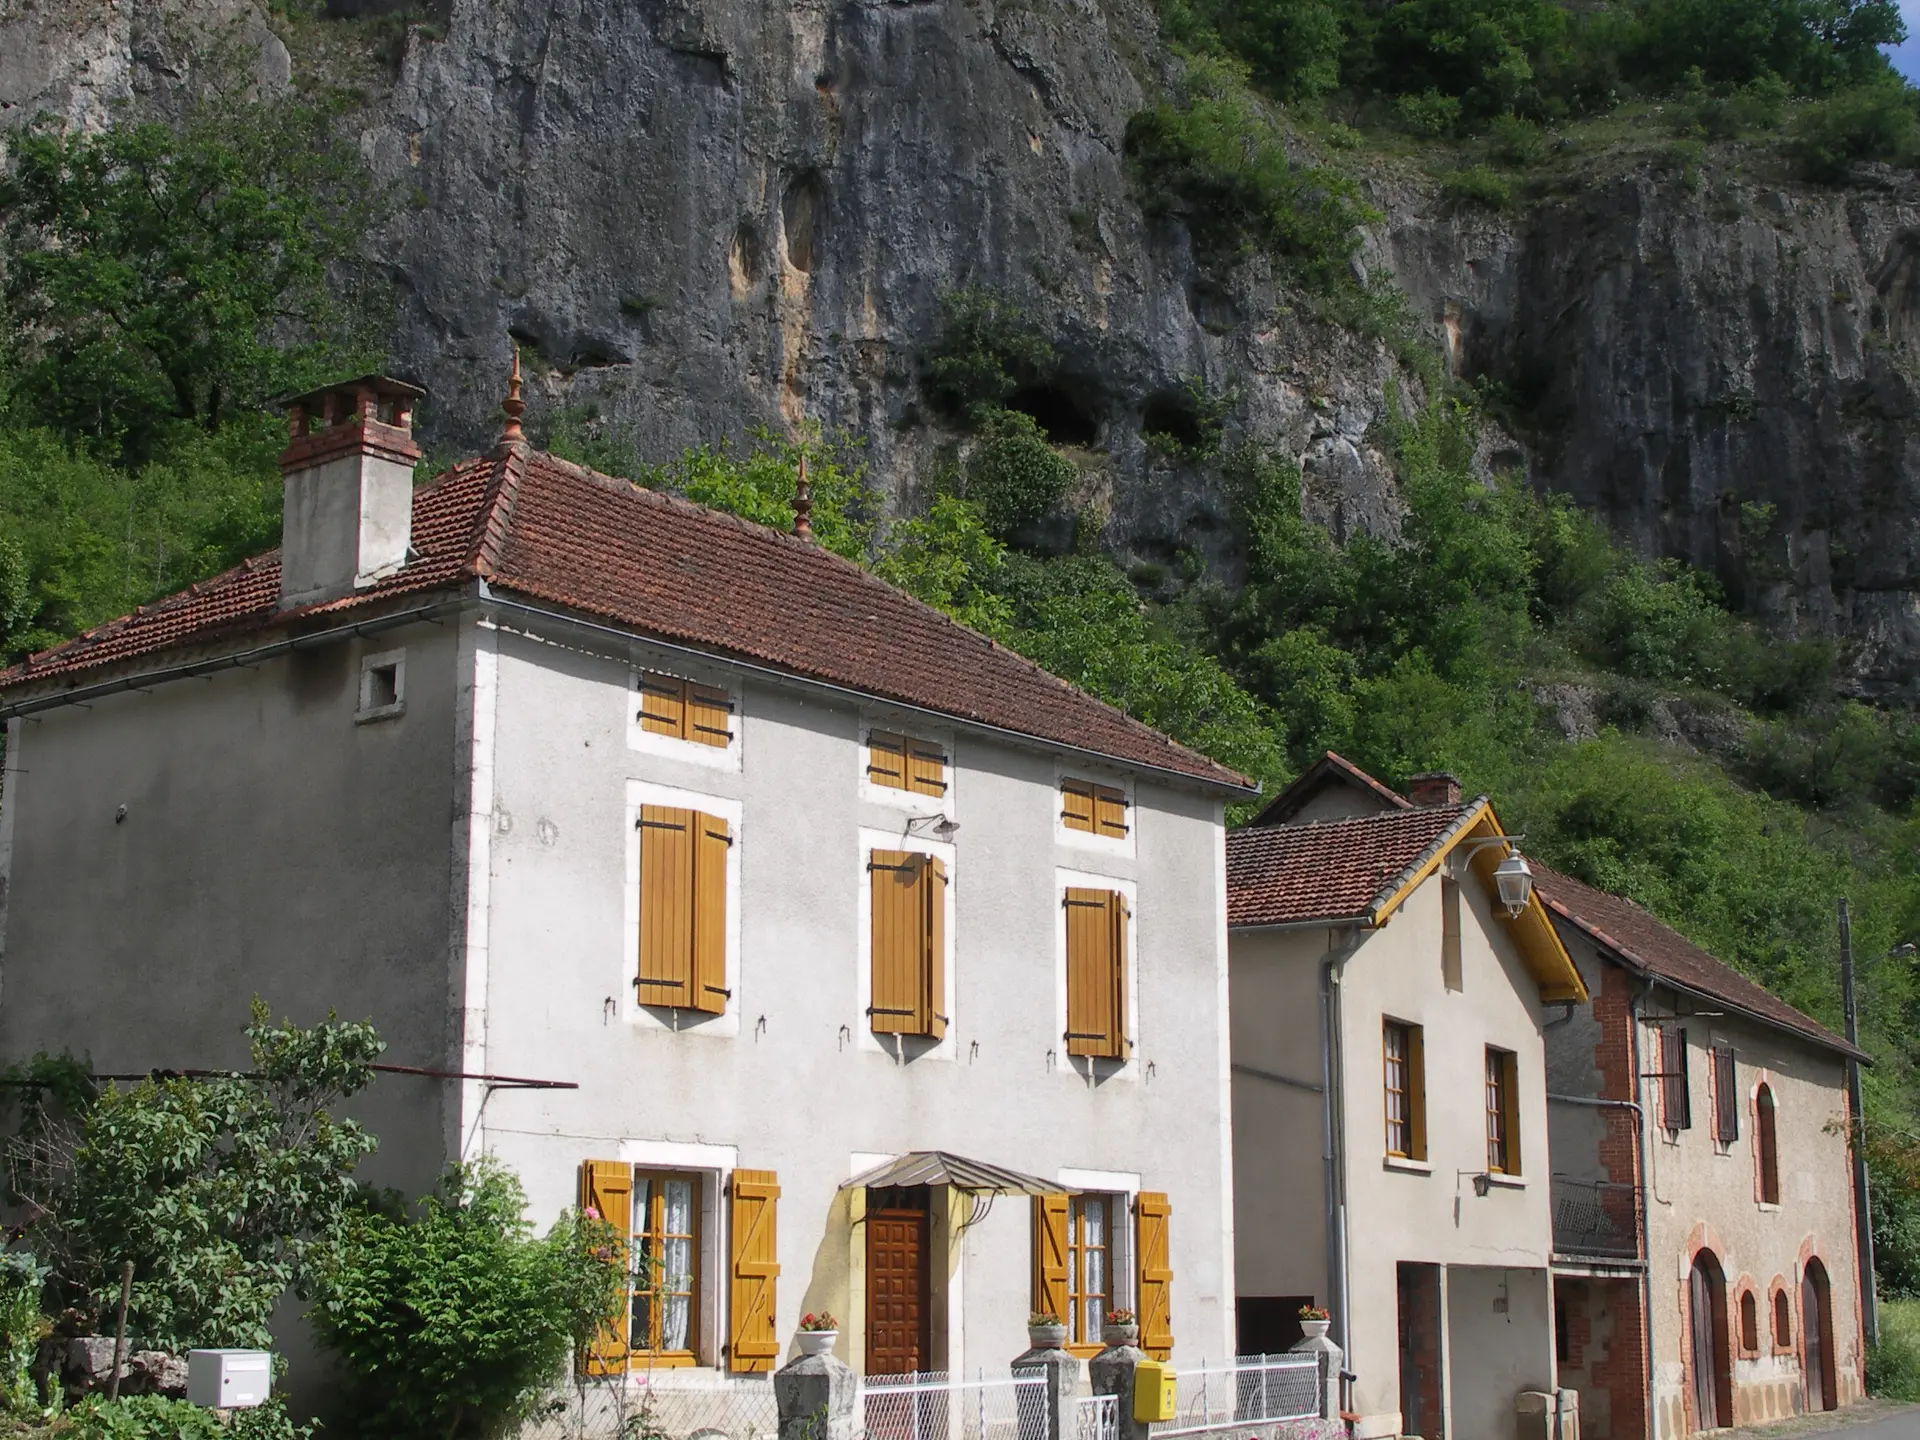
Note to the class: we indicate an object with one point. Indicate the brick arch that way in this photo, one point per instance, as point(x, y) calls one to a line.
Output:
point(1778, 1290)
point(1737, 1295)
point(1811, 1249)
point(1703, 1239)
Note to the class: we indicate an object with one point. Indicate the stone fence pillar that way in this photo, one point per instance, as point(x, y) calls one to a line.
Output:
point(1062, 1372)
point(1330, 1358)
point(1112, 1371)
point(816, 1398)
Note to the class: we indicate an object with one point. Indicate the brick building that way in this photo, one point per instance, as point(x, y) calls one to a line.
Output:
point(1705, 1269)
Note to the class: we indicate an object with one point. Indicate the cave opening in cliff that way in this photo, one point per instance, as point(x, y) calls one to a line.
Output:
point(1057, 411)
point(1172, 415)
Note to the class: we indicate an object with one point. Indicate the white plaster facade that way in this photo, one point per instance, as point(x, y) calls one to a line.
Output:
point(1483, 1257)
point(460, 869)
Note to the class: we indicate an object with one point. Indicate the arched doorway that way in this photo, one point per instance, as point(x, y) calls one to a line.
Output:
point(1816, 1338)
point(1712, 1360)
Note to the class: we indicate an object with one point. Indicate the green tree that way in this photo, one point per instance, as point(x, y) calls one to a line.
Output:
point(451, 1323)
point(223, 1192)
point(1013, 475)
point(158, 275)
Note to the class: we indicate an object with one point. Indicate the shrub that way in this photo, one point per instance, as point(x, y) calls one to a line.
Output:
point(1478, 185)
point(1484, 52)
point(1220, 162)
point(1429, 115)
point(1893, 1365)
point(223, 1192)
point(451, 1325)
point(1013, 475)
point(22, 1279)
point(1873, 122)
point(1514, 141)
point(987, 349)
point(154, 1417)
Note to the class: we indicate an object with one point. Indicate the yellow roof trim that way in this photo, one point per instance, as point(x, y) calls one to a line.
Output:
point(1546, 959)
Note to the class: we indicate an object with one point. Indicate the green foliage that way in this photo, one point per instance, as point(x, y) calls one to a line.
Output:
point(83, 540)
point(1478, 185)
point(1012, 474)
point(1219, 160)
point(1872, 122)
point(452, 1323)
point(155, 275)
point(1812, 45)
point(223, 1192)
point(758, 485)
point(154, 1417)
point(21, 1328)
point(1187, 425)
point(1893, 1366)
point(1486, 53)
point(987, 349)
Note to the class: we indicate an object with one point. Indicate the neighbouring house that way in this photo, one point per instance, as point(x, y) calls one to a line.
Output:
point(848, 960)
point(1706, 1256)
point(1390, 1007)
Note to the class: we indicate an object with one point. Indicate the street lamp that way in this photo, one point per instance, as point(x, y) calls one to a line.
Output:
point(1514, 879)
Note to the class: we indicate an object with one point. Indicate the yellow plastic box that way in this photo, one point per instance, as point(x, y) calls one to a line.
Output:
point(1153, 1391)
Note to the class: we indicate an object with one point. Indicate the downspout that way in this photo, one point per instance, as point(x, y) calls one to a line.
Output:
point(1333, 1132)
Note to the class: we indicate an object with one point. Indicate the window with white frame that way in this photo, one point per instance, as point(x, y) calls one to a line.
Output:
point(383, 685)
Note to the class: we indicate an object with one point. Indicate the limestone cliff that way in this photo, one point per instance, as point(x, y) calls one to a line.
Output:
point(704, 214)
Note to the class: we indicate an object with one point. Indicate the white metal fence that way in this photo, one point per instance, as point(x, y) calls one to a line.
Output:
point(931, 1405)
point(620, 1409)
point(1096, 1417)
point(1235, 1400)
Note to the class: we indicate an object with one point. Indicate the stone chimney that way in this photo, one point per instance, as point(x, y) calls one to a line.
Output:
point(1432, 788)
point(347, 474)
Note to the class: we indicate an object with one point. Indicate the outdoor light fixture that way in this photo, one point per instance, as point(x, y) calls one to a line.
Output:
point(1482, 1184)
point(1515, 879)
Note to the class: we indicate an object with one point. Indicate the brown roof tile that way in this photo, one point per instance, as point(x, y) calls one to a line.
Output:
point(549, 530)
point(1642, 943)
point(1331, 870)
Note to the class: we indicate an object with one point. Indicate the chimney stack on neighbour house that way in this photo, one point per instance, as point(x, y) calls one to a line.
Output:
point(347, 474)
point(1432, 788)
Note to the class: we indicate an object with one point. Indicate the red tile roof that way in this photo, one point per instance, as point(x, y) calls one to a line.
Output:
point(1334, 869)
point(1642, 943)
point(548, 530)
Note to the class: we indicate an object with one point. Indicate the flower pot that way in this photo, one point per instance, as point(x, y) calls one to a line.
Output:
point(1315, 1329)
point(816, 1342)
point(1114, 1336)
point(1046, 1337)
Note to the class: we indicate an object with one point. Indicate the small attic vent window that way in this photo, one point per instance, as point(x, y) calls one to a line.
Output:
point(383, 680)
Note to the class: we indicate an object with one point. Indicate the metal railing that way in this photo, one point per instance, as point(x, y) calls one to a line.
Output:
point(1096, 1417)
point(931, 1405)
point(658, 1407)
point(1254, 1392)
point(1599, 1218)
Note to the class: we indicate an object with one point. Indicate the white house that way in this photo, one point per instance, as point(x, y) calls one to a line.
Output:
point(1389, 1097)
point(883, 972)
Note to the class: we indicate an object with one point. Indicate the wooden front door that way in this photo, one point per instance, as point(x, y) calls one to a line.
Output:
point(1816, 1335)
point(897, 1308)
point(1707, 1336)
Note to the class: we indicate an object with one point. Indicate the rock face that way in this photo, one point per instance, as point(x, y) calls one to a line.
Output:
point(702, 215)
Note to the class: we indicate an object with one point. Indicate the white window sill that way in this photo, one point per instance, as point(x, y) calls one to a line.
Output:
point(1766, 1208)
point(1506, 1182)
point(384, 712)
point(1401, 1162)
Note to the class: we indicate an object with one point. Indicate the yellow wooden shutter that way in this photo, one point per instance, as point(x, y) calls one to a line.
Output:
point(663, 704)
point(926, 768)
point(933, 970)
point(894, 1007)
point(1076, 804)
point(886, 760)
point(753, 1347)
point(712, 840)
point(1109, 812)
point(606, 1187)
point(1096, 972)
point(1050, 1294)
point(1153, 1219)
point(709, 716)
point(666, 906)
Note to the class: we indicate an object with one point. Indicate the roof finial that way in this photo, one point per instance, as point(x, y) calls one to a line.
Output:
point(514, 406)
point(803, 502)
